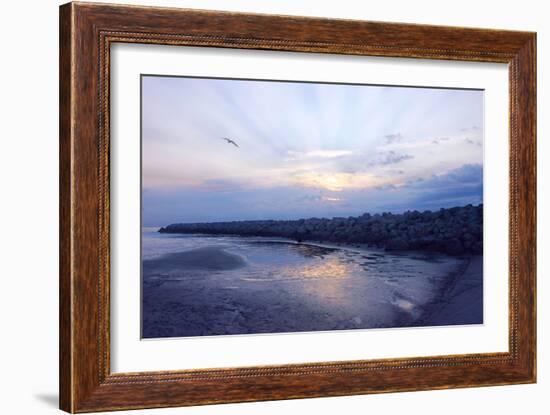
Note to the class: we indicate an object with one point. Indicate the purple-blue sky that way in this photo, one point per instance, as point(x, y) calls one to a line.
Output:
point(305, 149)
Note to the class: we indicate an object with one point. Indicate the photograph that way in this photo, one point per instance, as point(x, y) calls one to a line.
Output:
point(277, 206)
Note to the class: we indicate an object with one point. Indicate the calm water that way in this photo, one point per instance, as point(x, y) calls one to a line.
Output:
point(217, 285)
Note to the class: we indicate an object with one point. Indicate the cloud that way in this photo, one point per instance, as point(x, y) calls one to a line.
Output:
point(440, 139)
point(389, 157)
point(393, 138)
point(309, 198)
point(462, 185)
point(334, 181)
point(474, 142)
point(456, 187)
point(386, 187)
point(331, 199)
point(361, 163)
point(219, 185)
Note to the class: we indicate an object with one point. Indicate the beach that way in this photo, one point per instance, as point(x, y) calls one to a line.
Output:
point(203, 285)
point(461, 299)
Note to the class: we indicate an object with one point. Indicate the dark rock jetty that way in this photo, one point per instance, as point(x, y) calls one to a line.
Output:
point(454, 231)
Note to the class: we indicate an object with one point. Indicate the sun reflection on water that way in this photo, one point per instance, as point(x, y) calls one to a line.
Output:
point(331, 267)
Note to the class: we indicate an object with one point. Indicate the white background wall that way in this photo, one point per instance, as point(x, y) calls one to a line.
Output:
point(29, 189)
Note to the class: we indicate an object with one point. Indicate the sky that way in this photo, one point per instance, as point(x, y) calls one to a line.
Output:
point(305, 149)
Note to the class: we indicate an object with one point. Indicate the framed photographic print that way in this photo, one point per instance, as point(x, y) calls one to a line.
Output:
point(260, 207)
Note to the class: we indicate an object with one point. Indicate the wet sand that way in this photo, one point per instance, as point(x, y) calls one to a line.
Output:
point(461, 299)
point(208, 258)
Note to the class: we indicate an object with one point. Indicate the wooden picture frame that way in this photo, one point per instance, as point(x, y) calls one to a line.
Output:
point(86, 33)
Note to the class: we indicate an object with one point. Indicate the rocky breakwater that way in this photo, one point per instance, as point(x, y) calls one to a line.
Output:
point(454, 231)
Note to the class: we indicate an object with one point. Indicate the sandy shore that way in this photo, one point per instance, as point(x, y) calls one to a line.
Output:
point(461, 298)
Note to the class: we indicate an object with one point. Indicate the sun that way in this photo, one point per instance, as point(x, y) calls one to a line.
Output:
point(338, 181)
point(334, 182)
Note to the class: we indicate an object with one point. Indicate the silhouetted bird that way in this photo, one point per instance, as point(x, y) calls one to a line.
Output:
point(229, 141)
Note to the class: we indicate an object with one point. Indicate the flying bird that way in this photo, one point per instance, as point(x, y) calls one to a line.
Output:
point(229, 141)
